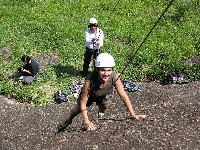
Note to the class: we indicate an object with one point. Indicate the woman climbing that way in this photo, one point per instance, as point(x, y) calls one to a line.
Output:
point(97, 88)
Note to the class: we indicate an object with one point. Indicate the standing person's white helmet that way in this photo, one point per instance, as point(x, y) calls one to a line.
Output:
point(104, 60)
point(93, 21)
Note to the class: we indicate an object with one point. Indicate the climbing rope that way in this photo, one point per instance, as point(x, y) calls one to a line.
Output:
point(144, 40)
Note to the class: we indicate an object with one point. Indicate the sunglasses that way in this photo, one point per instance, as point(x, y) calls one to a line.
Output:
point(93, 25)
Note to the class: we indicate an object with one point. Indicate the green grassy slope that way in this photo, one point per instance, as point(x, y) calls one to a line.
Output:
point(35, 27)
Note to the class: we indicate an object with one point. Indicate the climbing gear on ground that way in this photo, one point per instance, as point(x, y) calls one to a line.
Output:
point(130, 86)
point(75, 88)
point(182, 78)
point(176, 78)
point(63, 126)
point(60, 96)
point(104, 60)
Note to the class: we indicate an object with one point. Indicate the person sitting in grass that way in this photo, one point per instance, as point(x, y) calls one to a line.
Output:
point(97, 88)
point(30, 69)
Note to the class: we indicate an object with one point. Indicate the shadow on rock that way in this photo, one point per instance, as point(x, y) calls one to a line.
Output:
point(71, 130)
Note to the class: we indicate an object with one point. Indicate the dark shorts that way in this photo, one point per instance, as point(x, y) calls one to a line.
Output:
point(102, 101)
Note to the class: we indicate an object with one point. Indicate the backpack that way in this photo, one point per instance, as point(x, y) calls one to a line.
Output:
point(176, 78)
point(60, 96)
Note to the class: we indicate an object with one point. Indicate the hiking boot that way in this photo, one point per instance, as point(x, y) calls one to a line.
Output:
point(63, 126)
point(101, 115)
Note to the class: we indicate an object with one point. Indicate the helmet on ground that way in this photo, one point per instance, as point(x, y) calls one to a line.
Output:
point(104, 60)
point(93, 21)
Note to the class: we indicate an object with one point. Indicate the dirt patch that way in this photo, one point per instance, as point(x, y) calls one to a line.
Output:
point(194, 61)
point(47, 59)
point(5, 52)
point(172, 123)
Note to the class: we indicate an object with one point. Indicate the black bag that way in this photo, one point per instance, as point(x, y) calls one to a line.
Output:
point(60, 96)
point(176, 78)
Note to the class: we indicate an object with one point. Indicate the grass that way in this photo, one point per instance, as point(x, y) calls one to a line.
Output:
point(36, 27)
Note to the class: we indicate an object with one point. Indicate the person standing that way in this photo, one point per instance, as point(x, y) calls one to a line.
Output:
point(94, 37)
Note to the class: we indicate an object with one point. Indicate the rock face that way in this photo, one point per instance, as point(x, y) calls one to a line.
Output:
point(172, 122)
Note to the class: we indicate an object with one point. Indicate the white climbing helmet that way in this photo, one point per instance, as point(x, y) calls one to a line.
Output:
point(104, 60)
point(93, 21)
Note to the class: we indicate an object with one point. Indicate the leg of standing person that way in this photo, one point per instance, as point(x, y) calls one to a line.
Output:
point(96, 53)
point(87, 58)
